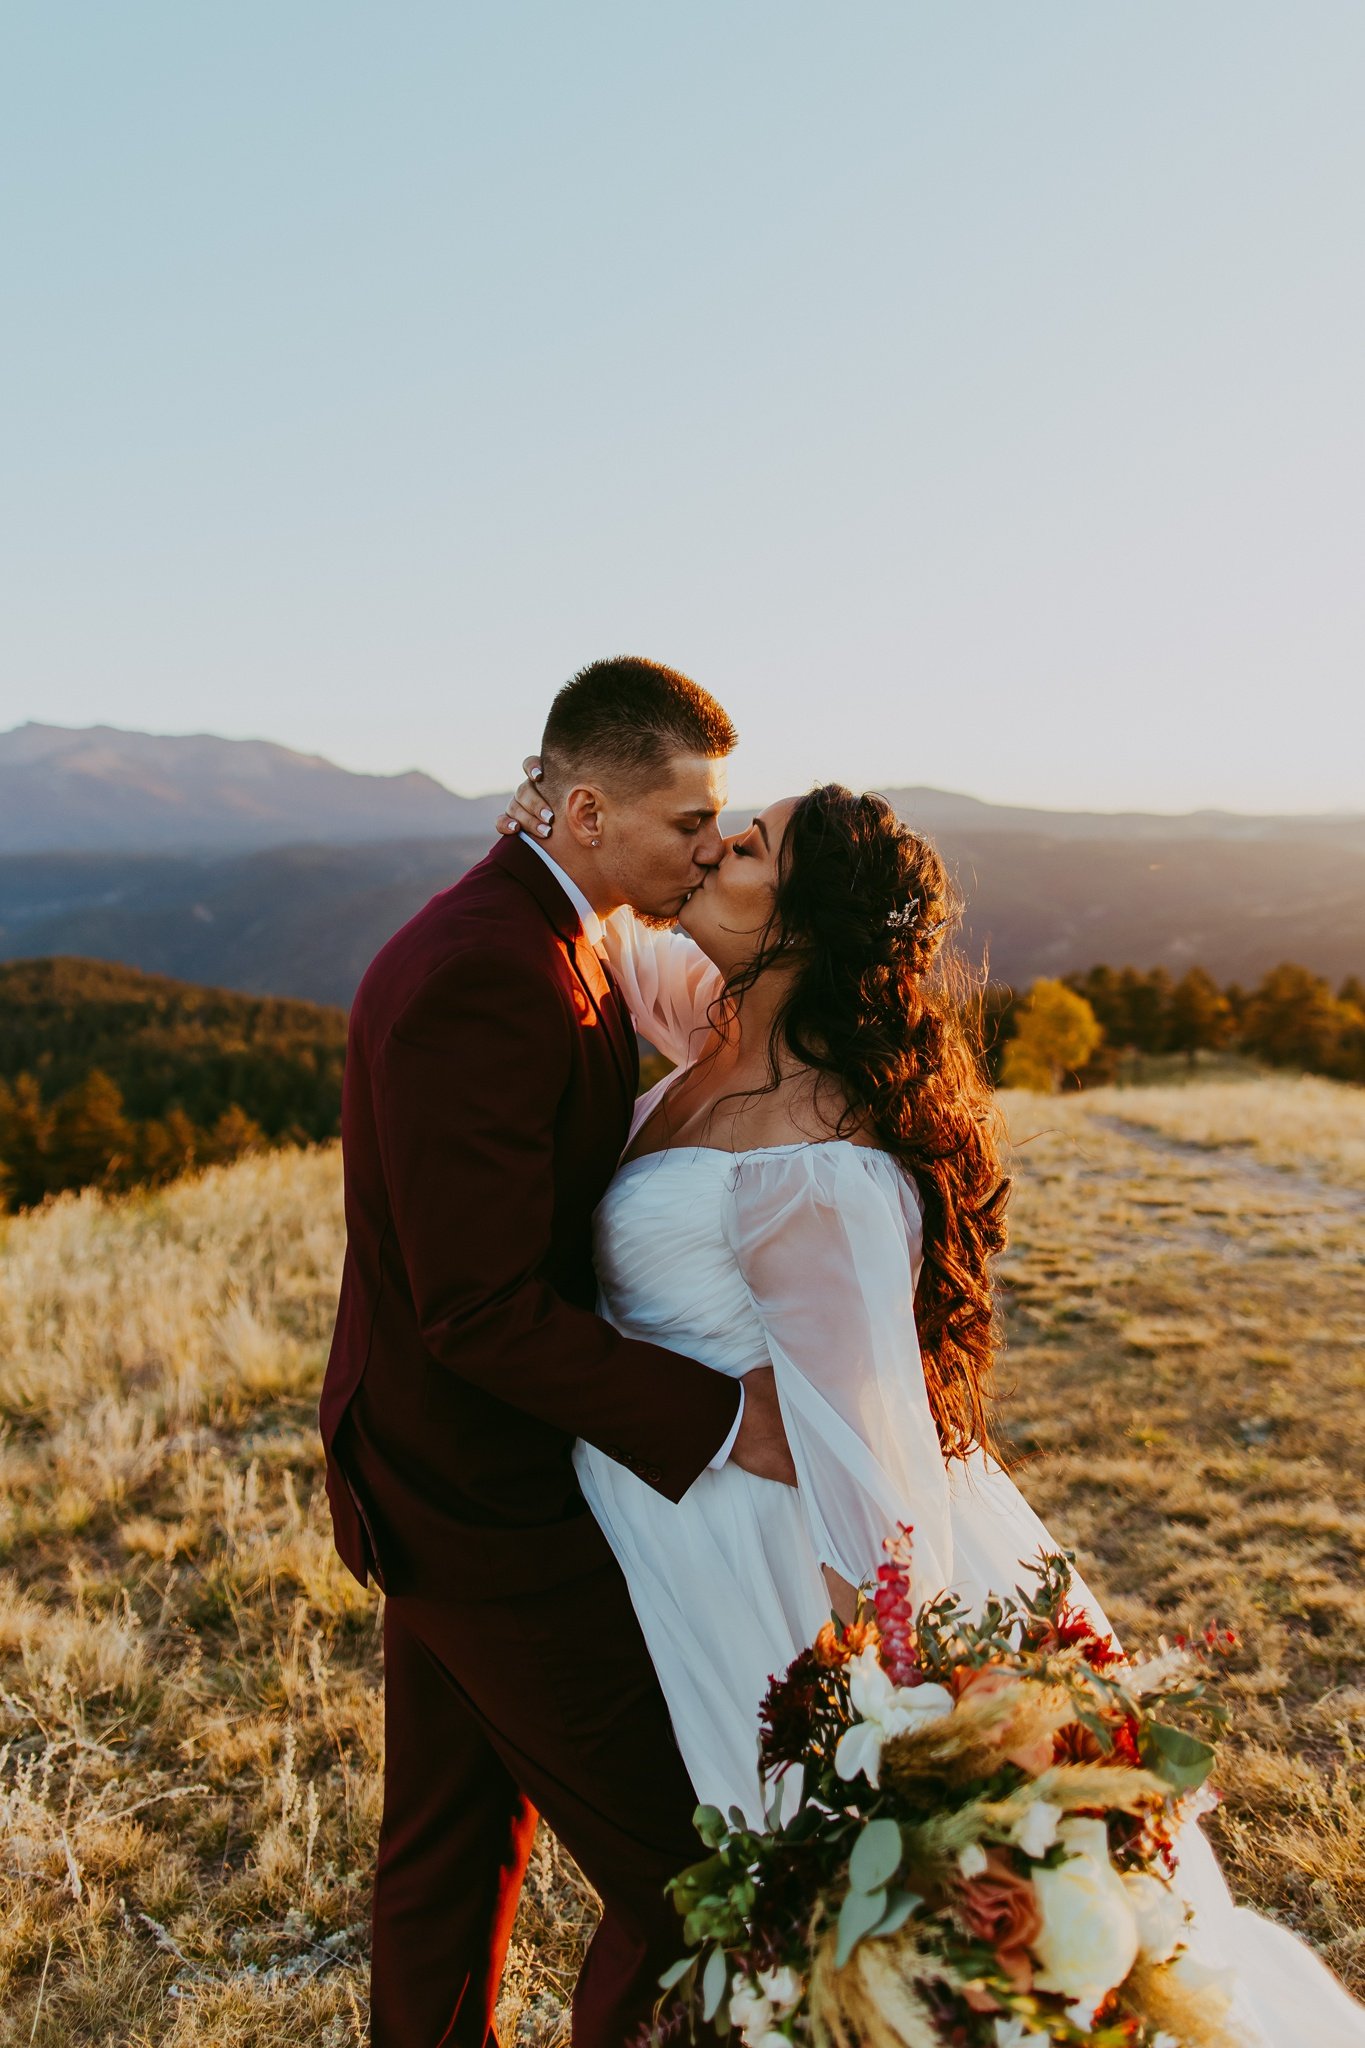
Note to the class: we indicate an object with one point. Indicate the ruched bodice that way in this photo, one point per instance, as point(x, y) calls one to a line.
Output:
point(664, 1265)
point(802, 1257)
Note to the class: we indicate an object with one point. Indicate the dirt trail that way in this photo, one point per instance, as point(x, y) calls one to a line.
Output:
point(1238, 1164)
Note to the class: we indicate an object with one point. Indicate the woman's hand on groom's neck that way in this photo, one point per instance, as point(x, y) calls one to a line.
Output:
point(527, 810)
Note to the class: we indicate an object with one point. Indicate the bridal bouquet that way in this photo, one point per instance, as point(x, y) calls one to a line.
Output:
point(983, 1847)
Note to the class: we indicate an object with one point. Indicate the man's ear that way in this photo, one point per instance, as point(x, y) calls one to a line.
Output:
point(582, 813)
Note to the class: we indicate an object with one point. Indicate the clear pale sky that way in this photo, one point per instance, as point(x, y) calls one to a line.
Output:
point(967, 394)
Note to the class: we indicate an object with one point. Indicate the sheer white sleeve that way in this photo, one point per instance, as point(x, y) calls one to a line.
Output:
point(826, 1237)
point(667, 981)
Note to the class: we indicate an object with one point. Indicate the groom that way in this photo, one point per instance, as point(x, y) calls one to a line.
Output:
point(490, 1073)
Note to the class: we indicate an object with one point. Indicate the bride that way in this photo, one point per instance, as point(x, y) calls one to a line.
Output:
point(817, 1186)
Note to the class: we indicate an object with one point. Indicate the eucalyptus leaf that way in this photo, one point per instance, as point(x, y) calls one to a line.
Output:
point(709, 1823)
point(876, 1856)
point(715, 1980)
point(858, 1916)
point(675, 1972)
point(1182, 1760)
point(901, 1906)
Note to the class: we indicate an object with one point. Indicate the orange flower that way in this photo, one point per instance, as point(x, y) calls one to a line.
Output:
point(985, 1682)
point(834, 1649)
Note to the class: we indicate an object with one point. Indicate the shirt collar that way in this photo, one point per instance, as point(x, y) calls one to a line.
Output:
point(587, 916)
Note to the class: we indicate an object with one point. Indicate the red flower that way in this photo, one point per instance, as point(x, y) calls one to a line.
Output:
point(788, 1716)
point(1075, 1744)
point(1074, 1629)
point(1125, 1736)
point(895, 1615)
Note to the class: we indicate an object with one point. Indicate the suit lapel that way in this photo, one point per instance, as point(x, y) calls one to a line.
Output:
point(608, 1008)
point(604, 998)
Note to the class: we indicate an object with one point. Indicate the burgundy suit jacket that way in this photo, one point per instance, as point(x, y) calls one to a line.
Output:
point(490, 1074)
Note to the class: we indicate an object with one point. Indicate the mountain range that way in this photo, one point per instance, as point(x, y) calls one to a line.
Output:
point(100, 790)
point(245, 865)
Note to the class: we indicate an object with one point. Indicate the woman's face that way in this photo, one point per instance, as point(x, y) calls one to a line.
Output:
point(728, 913)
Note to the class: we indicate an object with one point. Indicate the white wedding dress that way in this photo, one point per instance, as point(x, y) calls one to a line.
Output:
point(804, 1257)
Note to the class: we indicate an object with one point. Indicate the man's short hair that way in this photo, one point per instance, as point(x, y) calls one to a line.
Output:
point(625, 719)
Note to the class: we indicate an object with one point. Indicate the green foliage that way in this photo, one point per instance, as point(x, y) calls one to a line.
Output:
point(115, 1078)
point(1294, 1020)
point(1291, 1019)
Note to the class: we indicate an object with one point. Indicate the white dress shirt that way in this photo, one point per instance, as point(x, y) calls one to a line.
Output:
point(592, 932)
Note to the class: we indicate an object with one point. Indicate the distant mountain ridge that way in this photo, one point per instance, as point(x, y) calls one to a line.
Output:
point(101, 789)
point(244, 865)
point(941, 810)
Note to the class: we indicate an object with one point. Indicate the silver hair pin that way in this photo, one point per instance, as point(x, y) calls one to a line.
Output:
point(906, 918)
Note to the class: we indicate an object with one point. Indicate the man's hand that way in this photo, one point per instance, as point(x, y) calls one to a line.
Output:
point(761, 1446)
point(528, 811)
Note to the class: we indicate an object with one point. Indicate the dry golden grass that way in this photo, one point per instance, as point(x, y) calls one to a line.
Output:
point(1303, 1124)
point(189, 1711)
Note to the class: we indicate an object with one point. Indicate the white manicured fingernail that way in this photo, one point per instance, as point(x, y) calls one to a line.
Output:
point(544, 831)
point(547, 815)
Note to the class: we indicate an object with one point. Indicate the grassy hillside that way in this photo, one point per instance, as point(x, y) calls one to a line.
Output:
point(189, 1718)
point(115, 1079)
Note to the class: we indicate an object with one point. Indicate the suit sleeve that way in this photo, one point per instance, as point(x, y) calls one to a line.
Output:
point(468, 1086)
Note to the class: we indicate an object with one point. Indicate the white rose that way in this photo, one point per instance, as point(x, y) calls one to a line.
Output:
point(1089, 1939)
point(1037, 1831)
point(750, 2011)
point(860, 1749)
point(1160, 1916)
point(884, 1709)
point(782, 1988)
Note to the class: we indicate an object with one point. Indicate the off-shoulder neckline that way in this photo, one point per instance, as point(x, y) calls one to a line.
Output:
point(753, 1151)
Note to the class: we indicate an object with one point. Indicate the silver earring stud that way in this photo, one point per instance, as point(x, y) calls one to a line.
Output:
point(597, 842)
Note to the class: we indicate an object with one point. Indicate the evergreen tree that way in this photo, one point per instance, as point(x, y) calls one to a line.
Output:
point(26, 1125)
point(1199, 1017)
point(232, 1135)
point(1293, 1020)
point(167, 1147)
point(92, 1140)
point(1104, 990)
point(1146, 1001)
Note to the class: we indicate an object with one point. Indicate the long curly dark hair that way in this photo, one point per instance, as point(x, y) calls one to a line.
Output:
point(881, 1004)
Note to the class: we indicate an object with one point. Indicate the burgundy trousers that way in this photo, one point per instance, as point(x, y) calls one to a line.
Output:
point(496, 1709)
